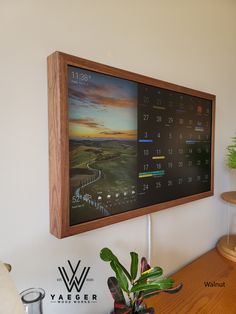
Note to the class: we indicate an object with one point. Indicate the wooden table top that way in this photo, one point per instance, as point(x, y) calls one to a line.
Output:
point(209, 286)
point(229, 197)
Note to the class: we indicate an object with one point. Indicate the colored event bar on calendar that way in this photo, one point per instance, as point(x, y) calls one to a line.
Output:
point(157, 173)
point(145, 141)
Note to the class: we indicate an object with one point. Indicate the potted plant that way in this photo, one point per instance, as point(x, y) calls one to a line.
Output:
point(135, 288)
point(231, 156)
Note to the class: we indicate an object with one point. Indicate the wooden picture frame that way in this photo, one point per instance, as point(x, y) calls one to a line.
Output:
point(64, 92)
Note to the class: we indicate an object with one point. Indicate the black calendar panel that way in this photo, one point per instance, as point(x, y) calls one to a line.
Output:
point(174, 145)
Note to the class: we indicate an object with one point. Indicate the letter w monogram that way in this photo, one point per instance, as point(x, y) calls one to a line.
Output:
point(74, 281)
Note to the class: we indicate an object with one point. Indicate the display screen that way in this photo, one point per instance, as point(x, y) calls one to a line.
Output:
point(133, 145)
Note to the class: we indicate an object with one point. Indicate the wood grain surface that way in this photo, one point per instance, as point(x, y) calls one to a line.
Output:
point(227, 247)
point(196, 296)
point(229, 197)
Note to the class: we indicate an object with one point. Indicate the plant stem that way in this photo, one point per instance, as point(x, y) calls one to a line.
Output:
point(130, 299)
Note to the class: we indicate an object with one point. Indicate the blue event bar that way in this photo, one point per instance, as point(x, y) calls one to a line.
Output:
point(192, 141)
point(145, 141)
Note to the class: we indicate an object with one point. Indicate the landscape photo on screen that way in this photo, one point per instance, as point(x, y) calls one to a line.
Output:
point(102, 113)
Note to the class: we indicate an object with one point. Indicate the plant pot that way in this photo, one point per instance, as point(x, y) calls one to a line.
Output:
point(142, 310)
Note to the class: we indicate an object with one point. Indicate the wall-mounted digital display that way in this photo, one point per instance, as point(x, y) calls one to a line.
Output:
point(131, 144)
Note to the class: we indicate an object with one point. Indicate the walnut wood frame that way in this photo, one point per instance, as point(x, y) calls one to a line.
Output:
point(59, 143)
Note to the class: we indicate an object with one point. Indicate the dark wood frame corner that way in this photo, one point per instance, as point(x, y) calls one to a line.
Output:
point(59, 147)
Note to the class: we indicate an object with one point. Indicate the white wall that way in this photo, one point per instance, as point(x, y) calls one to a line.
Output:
point(187, 42)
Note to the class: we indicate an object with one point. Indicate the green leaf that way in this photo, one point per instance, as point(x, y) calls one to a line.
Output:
point(231, 156)
point(125, 271)
point(162, 284)
point(120, 276)
point(150, 273)
point(152, 292)
point(107, 255)
point(149, 293)
point(134, 265)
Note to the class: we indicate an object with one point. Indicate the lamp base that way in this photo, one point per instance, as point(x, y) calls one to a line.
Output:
point(226, 246)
